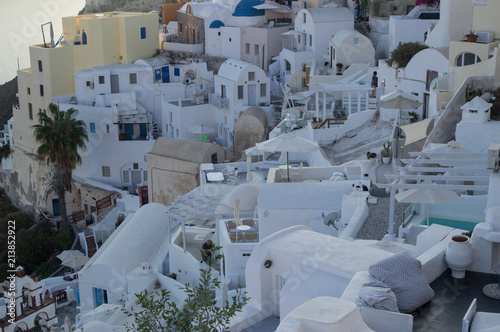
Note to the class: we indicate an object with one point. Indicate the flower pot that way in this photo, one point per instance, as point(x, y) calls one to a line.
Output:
point(459, 255)
point(314, 123)
point(471, 39)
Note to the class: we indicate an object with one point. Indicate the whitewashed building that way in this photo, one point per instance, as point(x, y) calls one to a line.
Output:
point(313, 30)
point(419, 77)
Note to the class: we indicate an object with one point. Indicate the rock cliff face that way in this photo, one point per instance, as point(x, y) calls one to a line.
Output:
point(7, 99)
point(122, 5)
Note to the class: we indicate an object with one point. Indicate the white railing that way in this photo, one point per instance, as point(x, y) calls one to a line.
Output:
point(218, 101)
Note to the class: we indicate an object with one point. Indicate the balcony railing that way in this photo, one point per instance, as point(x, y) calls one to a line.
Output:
point(218, 101)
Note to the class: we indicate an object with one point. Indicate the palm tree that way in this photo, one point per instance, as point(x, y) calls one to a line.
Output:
point(60, 136)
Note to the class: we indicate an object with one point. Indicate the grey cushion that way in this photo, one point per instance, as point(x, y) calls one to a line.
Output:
point(404, 275)
point(377, 295)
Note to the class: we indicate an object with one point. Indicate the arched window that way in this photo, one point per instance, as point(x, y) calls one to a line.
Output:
point(467, 58)
point(189, 10)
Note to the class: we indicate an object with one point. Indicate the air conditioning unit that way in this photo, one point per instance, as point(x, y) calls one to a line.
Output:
point(484, 37)
point(493, 156)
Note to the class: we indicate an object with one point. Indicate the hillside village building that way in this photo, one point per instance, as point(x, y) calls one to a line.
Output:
point(300, 234)
point(89, 40)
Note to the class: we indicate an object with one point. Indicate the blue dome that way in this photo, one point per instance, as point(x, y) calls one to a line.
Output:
point(245, 8)
point(216, 24)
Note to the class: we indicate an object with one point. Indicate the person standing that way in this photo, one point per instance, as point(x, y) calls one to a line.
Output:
point(206, 251)
point(374, 83)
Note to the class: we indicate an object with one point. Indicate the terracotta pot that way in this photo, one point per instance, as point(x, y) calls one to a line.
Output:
point(459, 255)
point(314, 123)
point(471, 39)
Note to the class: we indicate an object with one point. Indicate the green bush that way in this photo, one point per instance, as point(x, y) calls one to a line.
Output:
point(35, 246)
point(23, 220)
point(45, 269)
point(65, 238)
point(404, 52)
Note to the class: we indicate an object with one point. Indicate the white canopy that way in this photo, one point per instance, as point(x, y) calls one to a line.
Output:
point(399, 100)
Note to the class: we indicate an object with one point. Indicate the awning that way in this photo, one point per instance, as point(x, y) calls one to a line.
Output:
point(416, 131)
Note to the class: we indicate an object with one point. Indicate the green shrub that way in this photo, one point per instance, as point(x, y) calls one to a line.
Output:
point(404, 52)
point(65, 238)
point(23, 220)
point(45, 269)
point(34, 246)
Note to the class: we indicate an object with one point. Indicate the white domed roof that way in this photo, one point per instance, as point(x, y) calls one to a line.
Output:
point(246, 193)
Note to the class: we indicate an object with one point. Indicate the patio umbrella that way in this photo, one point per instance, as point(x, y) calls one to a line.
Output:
point(399, 100)
point(75, 261)
point(237, 219)
point(67, 324)
point(426, 196)
point(249, 168)
point(224, 294)
point(288, 143)
point(69, 253)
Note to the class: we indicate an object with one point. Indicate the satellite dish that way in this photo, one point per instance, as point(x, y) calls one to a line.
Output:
point(331, 218)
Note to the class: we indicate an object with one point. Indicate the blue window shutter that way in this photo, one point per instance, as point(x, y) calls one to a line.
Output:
point(41, 90)
point(157, 74)
point(177, 72)
point(92, 127)
point(143, 32)
point(77, 296)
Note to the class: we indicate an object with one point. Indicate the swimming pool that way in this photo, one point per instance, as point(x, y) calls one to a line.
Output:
point(462, 224)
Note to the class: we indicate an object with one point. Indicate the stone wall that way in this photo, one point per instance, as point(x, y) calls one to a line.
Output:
point(191, 29)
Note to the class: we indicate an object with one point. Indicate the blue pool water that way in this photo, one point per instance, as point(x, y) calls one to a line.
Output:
point(467, 225)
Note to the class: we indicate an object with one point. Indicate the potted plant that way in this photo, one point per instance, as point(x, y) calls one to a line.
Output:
point(471, 36)
point(386, 154)
point(339, 68)
point(304, 67)
point(414, 115)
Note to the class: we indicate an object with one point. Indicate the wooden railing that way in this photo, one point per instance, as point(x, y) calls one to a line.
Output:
point(331, 122)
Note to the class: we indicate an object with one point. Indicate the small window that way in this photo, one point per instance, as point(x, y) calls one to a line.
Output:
point(177, 133)
point(251, 76)
point(263, 90)
point(143, 32)
point(30, 110)
point(133, 78)
point(310, 40)
point(247, 48)
point(229, 39)
point(356, 40)
point(107, 128)
point(145, 175)
point(126, 177)
point(29, 91)
point(101, 80)
point(135, 165)
point(166, 128)
point(88, 83)
point(256, 49)
point(41, 90)
point(106, 171)
point(218, 33)
point(92, 127)
point(177, 72)
point(180, 27)
point(304, 17)
point(240, 91)
point(40, 66)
